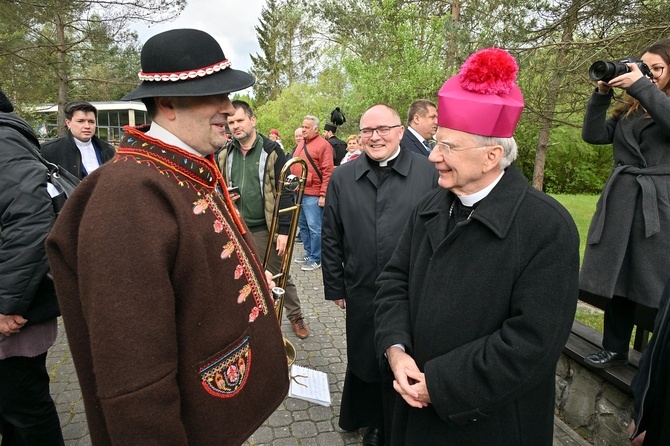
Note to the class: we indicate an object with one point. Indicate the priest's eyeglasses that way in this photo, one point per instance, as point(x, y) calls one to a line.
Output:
point(382, 130)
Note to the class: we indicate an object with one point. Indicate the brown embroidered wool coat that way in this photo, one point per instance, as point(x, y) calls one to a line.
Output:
point(167, 313)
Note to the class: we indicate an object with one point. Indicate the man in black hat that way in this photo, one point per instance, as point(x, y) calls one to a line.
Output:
point(339, 146)
point(161, 291)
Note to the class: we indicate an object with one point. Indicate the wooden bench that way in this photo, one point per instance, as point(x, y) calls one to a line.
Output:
point(584, 340)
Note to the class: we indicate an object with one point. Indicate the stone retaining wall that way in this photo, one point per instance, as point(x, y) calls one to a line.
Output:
point(594, 408)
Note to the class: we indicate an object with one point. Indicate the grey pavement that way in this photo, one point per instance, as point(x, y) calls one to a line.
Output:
point(295, 422)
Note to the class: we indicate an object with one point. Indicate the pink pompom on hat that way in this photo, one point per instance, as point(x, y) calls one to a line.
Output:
point(482, 98)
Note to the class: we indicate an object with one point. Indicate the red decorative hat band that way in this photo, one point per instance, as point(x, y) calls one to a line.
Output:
point(184, 75)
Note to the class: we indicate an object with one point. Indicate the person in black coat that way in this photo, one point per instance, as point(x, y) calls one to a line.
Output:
point(28, 305)
point(651, 385)
point(80, 152)
point(367, 206)
point(421, 127)
point(628, 244)
point(477, 301)
point(339, 146)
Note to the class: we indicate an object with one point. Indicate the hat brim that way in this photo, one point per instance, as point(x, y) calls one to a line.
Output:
point(224, 81)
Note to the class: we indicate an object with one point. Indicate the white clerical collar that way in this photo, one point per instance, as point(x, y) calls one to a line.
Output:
point(469, 200)
point(386, 161)
point(414, 132)
point(158, 132)
point(83, 145)
point(89, 158)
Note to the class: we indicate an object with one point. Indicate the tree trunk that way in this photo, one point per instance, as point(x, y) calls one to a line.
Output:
point(62, 74)
point(553, 94)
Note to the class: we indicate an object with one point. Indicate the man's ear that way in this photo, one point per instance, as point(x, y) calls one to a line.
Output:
point(493, 156)
point(167, 107)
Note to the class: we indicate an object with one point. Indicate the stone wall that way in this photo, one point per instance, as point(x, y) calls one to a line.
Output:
point(594, 408)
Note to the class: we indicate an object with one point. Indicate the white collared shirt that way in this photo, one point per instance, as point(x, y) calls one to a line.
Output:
point(419, 137)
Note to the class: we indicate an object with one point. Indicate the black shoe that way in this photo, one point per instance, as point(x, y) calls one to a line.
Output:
point(605, 358)
point(373, 437)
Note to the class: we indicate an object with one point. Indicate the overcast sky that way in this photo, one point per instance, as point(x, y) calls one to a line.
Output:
point(230, 22)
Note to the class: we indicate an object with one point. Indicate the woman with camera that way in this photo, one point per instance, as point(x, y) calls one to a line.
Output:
point(628, 246)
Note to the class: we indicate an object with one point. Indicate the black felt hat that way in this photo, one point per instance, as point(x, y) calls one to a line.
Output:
point(186, 62)
point(330, 127)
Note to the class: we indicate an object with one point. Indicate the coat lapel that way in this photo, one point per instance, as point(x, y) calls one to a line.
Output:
point(496, 211)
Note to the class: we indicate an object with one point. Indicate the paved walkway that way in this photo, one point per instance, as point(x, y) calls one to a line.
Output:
point(295, 422)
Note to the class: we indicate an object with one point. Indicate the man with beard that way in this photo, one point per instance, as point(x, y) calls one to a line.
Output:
point(253, 164)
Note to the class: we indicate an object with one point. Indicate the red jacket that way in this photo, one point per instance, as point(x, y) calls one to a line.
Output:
point(321, 153)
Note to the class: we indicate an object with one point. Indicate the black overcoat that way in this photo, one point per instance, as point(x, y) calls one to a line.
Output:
point(485, 313)
point(362, 222)
point(64, 152)
point(628, 246)
point(651, 385)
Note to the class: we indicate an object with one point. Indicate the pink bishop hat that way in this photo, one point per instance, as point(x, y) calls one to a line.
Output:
point(482, 98)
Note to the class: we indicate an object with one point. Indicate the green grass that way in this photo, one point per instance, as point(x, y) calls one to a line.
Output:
point(581, 207)
point(590, 317)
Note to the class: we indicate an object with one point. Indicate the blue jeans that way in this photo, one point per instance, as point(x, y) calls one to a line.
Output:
point(311, 218)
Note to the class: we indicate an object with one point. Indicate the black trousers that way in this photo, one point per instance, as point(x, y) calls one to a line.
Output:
point(28, 415)
point(618, 324)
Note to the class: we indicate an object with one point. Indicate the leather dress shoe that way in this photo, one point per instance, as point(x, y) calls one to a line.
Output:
point(605, 358)
point(373, 437)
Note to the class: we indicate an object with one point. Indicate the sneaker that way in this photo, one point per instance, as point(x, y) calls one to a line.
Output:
point(300, 327)
point(310, 266)
point(605, 358)
point(298, 240)
point(303, 259)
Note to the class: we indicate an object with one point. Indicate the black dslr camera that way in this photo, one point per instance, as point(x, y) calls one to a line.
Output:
point(605, 71)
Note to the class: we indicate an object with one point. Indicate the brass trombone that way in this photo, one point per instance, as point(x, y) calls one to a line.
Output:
point(287, 183)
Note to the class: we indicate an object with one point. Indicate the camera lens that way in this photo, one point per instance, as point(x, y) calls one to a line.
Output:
point(606, 71)
point(601, 71)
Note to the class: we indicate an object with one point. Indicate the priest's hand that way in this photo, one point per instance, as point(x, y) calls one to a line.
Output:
point(409, 382)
